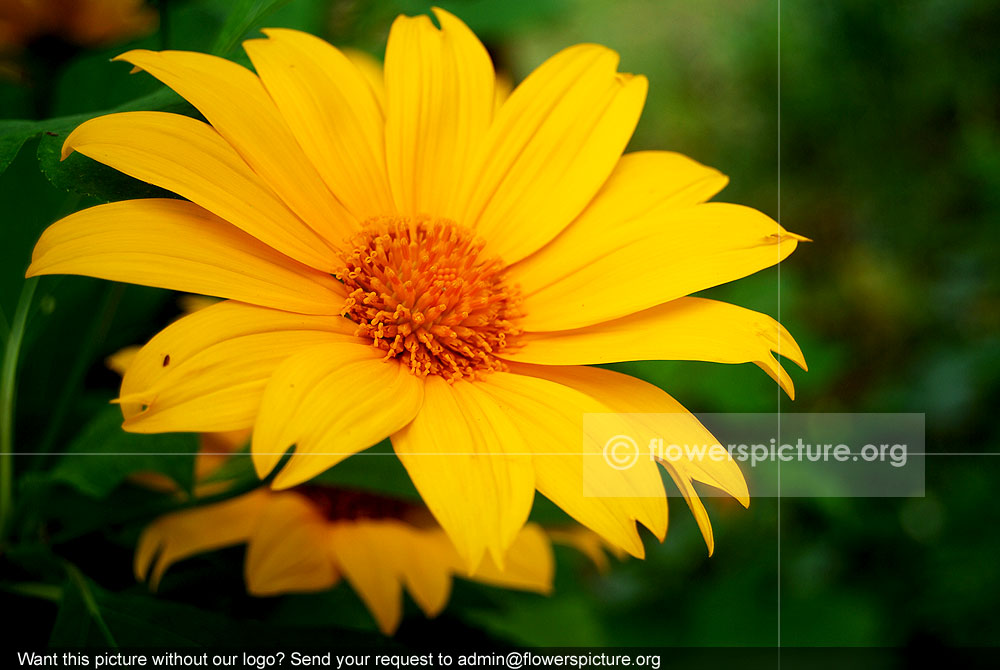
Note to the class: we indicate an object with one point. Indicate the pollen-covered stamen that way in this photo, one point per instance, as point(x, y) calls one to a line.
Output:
point(423, 292)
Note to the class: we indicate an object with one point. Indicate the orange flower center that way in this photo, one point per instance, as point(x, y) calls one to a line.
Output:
point(423, 292)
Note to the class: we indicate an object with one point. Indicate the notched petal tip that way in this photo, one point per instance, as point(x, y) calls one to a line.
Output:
point(635, 547)
point(264, 466)
point(785, 382)
point(789, 348)
point(253, 42)
point(275, 33)
point(444, 16)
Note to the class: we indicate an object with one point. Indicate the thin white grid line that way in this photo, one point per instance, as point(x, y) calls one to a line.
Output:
point(778, 497)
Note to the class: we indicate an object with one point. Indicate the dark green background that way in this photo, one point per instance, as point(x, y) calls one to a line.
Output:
point(889, 153)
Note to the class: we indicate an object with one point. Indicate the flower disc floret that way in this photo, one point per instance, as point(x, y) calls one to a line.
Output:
point(424, 292)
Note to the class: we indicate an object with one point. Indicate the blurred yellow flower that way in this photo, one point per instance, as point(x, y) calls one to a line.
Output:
point(306, 539)
point(483, 255)
point(88, 23)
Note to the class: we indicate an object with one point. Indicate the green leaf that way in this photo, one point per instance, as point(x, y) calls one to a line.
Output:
point(66, 514)
point(15, 132)
point(81, 587)
point(82, 175)
point(244, 16)
point(103, 456)
point(522, 619)
point(144, 620)
point(13, 135)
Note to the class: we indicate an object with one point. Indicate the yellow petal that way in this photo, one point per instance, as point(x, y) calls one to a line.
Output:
point(178, 245)
point(694, 502)
point(646, 181)
point(179, 535)
point(624, 394)
point(639, 399)
point(603, 267)
point(235, 102)
point(643, 183)
point(471, 467)
point(429, 561)
point(121, 359)
point(371, 69)
point(192, 303)
point(529, 565)
point(333, 113)
point(439, 103)
point(684, 329)
point(330, 401)
point(287, 552)
point(191, 159)
point(206, 371)
point(570, 471)
point(552, 145)
point(371, 569)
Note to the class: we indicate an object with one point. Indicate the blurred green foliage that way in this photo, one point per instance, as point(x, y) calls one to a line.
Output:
point(887, 154)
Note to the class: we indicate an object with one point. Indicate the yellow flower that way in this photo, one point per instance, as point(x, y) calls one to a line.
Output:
point(483, 256)
point(83, 22)
point(306, 539)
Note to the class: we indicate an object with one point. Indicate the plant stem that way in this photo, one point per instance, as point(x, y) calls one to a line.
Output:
point(8, 381)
